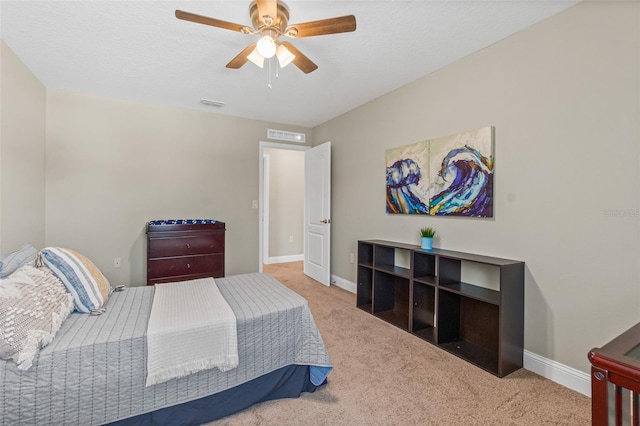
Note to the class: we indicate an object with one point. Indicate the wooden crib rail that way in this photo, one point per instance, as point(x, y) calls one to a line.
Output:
point(615, 381)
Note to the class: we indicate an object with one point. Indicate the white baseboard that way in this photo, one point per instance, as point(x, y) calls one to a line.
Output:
point(344, 284)
point(566, 376)
point(284, 259)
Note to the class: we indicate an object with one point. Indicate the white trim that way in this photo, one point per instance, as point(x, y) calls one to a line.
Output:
point(266, 159)
point(569, 377)
point(284, 259)
point(343, 284)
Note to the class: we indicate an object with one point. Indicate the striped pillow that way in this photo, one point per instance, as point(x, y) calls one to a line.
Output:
point(89, 288)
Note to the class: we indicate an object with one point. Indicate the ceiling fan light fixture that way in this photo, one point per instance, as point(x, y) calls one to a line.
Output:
point(284, 56)
point(270, 19)
point(256, 58)
point(266, 46)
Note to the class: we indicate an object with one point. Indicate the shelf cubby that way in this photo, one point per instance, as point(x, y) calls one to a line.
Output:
point(365, 254)
point(385, 260)
point(424, 306)
point(391, 298)
point(424, 269)
point(384, 257)
point(469, 328)
point(365, 288)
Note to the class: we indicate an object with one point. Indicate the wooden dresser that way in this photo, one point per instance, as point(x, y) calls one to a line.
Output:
point(179, 250)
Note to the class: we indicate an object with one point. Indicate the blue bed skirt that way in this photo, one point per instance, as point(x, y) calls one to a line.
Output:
point(286, 382)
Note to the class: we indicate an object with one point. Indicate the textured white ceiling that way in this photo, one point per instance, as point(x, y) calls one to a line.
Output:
point(138, 50)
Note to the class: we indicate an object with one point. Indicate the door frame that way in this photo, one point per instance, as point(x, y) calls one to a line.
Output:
point(263, 214)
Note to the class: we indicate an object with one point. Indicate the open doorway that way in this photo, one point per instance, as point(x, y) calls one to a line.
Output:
point(281, 196)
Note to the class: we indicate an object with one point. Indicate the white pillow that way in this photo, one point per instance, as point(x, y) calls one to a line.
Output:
point(33, 306)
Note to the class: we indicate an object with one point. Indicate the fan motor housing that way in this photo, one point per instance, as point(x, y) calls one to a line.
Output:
point(278, 25)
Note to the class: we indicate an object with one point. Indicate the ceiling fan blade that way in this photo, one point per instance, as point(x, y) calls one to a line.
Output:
point(241, 59)
point(267, 8)
point(342, 24)
point(305, 64)
point(187, 16)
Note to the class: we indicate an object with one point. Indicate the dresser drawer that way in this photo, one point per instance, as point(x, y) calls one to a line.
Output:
point(186, 245)
point(210, 265)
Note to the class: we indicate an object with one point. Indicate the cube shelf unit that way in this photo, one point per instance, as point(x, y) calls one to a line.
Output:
point(481, 322)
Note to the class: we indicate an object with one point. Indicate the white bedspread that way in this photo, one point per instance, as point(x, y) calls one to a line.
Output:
point(191, 328)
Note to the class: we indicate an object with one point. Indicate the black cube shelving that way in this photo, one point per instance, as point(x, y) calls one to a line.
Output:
point(481, 324)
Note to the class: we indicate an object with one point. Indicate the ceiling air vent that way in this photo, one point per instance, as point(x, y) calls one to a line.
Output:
point(282, 135)
point(209, 102)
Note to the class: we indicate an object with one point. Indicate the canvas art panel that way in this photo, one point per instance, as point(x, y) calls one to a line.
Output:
point(450, 175)
point(408, 179)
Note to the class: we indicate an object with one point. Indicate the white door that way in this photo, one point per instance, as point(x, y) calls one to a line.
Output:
point(317, 212)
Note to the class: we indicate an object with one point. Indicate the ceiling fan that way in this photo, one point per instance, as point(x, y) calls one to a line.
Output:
point(270, 19)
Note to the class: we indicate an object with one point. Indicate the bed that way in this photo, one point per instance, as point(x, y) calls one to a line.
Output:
point(93, 372)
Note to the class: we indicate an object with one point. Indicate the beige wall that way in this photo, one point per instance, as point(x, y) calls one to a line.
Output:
point(564, 97)
point(22, 154)
point(286, 202)
point(113, 165)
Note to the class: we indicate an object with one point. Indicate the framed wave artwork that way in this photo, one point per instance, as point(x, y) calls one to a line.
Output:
point(446, 176)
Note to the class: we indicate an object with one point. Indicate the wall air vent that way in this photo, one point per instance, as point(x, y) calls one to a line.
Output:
point(282, 135)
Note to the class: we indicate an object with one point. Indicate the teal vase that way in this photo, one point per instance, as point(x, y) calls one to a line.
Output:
point(427, 243)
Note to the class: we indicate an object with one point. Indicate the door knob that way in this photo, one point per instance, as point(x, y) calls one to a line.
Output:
point(326, 221)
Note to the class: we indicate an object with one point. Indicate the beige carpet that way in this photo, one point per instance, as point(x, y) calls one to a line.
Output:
point(385, 376)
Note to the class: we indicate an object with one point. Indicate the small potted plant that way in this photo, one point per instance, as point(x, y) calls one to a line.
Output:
point(427, 234)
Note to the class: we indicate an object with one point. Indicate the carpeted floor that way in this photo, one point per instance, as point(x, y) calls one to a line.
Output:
point(386, 376)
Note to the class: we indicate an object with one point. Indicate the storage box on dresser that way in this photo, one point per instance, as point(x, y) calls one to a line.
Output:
point(179, 252)
point(427, 297)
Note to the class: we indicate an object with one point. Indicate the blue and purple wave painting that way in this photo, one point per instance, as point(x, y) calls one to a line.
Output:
point(468, 189)
point(403, 176)
point(452, 175)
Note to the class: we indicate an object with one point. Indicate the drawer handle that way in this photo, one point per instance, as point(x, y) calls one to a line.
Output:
point(188, 265)
point(188, 245)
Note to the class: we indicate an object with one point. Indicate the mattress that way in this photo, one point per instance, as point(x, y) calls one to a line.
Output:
point(94, 370)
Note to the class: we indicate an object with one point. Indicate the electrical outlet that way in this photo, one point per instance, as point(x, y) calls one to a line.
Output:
point(116, 262)
point(352, 258)
point(290, 238)
point(254, 204)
